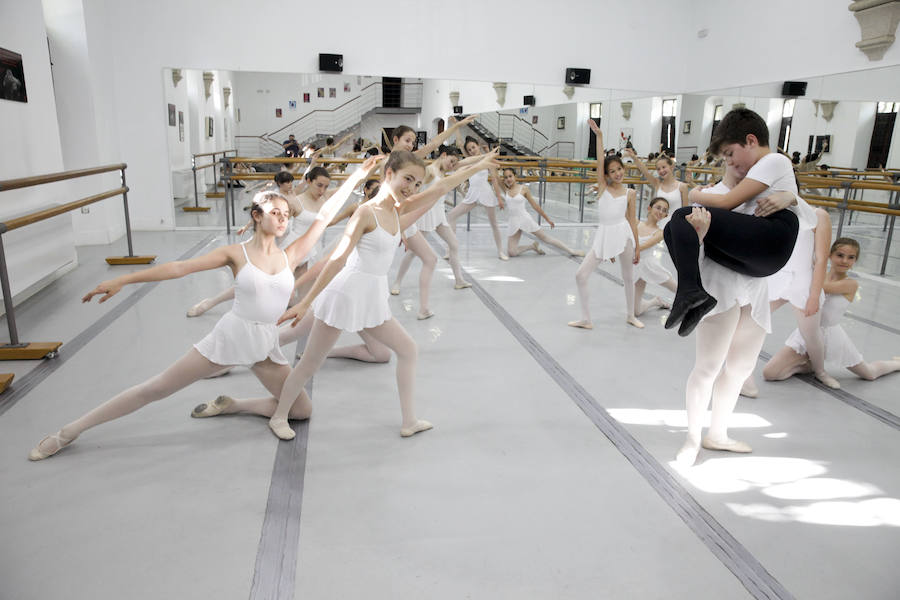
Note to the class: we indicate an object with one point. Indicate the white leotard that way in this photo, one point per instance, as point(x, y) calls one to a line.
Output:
point(613, 231)
point(650, 267)
point(300, 225)
point(357, 298)
point(674, 200)
point(246, 334)
point(480, 190)
point(517, 216)
point(839, 349)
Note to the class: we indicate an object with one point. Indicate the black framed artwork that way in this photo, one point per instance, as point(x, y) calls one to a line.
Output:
point(171, 115)
point(12, 77)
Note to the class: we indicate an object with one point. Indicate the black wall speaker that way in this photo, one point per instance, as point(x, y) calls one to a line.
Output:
point(528, 101)
point(333, 63)
point(574, 76)
point(457, 110)
point(793, 88)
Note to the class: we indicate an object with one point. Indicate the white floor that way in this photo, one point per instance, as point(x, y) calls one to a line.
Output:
point(516, 493)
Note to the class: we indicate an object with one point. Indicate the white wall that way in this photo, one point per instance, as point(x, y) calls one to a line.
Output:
point(37, 253)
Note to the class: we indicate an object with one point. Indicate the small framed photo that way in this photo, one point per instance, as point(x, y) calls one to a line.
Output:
point(180, 125)
point(277, 113)
point(171, 115)
point(534, 119)
point(347, 87)
point(306, 97)
point(332, 92)
point(320, 93)
point(421, 138)
point(687, 127)
point(292, 104)
point(560, 122)
point(209, 127)
point(12, 76)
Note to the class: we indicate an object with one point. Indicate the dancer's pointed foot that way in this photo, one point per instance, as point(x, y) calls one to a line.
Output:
point(578, 253)
point(417, 427)
point(281, 428)
point(660, 303)
point(199, 308)
point(749, 389)
point(395, 290)
point(828, 380)
point(447, 256)
point(634, 321)
point(581, 324)
point(726, 445)
point(538, 249)
point(427, 314)
point(461, 285)
point(687, 455)
point(503, 256)
point(683, 303)
point(220, 405)
point(49, 446)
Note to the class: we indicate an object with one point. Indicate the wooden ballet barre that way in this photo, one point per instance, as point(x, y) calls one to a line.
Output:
point(15, 350)
point(215, 194)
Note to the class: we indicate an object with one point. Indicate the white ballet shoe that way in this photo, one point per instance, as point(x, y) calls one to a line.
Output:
point(462, 286)
point(726, 445)
point(749, 389)
point(212, 409)
point(418, 427)
point(424, 315)
point(581, 324)
point(60, 442)
point(199, 308)
point(635, 322)
point(395, 291)
point(281, 429)
point(503, 256)
point(578, 253)
point(658, 302)
point(687, 455)
point(538, 249)
point(828, 380)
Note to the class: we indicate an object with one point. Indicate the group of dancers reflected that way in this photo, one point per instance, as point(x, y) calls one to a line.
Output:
point(744, 247)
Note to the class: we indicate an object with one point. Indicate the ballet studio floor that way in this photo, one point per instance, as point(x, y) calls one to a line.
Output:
point(548, 473)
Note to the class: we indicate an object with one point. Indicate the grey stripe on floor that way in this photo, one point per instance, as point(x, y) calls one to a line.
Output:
point(23, 385)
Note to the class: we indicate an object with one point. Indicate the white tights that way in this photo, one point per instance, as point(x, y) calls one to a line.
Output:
point(323, 337)
point(418, 246)
point(371, 350)
point(641, 306)
point(462, 208)
point(811, 330)
point(732, 339)
point(449, 238)
point(787, 362)
point(514, 249)
point(589, 265)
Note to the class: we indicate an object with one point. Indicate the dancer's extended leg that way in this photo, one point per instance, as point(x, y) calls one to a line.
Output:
point(514, 249)
point(874, 370)
point(272, 376)
point(549, 239)
point(204, 305)
point(582, 276)
point(392, 335)
point(785, 363)
point(811, 331)
point(418, 245)
point(452, 242)
point(405, 263)
point(458, 211)
point(371, 350)
point(626, 264)
point(492, 219)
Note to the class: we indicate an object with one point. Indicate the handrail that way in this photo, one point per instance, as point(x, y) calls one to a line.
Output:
point(22, 182)
point(312, 112)
point(49, 213)
point(531, 125)
point(216, 152)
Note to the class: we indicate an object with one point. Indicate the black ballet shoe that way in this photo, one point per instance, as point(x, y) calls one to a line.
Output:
point(682, 304)
point(693, 316)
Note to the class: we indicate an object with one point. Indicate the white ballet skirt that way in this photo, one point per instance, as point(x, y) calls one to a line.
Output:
point(839, 349)
point(480, 191)
point(517, 217)
point(246, 334)
point(298, 226)
point(434, 217)
point(792, 282)
point(357, 298)
point(650, 267)
point(613, 231)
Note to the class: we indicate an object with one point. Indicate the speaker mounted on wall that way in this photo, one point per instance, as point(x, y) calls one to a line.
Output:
point(331, 63)
point(528, 101)
point(793, 88)
point(457, 110)
point(578, 76)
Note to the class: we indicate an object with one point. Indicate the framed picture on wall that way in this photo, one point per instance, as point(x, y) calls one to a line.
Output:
point(306, 97)
point(534, 119)
point(171, 115)
point(332, 92)
point(209, 127)
point(320, 93)
point(292, 104)
point(347, 87)
point(560, 122)
point(277, 113)
point(421, 138)
point(687, 127)
point(12, 76)
point(823, 144)
point(180, 125)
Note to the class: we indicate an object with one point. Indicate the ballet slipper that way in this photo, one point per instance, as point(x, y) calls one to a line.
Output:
point(281, 429)
point(214, 408)
point(417, 427)
point(538, 249)
point(447, 256)
point(424, 315)
point(581, 324)
point(682, 304)
point(749, 389)
point(687, 455)
point(695, 315)
point(726, 445)
point(462, 286)
point(395, 291)
point(634, 322)
point(660, 303)
point(199, 308)
point(61, 442)
point(828, 380)
point(578, 253)
point(503, 256)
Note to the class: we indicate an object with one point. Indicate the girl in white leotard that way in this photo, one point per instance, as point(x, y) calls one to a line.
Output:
point(484, 189)
point(616, 236)
point(650, 270)
point(351, 292)
point(840, 291)
point(518, 219)
point(665, 185)
point(245, 335)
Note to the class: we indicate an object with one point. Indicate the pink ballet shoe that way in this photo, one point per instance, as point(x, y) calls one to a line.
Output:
point(61, 442)
point(281, 429)
point(214, 408)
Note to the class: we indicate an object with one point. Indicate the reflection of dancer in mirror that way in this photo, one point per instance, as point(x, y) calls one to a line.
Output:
point(616, 236)
point(245, 335)
point(436, 220)
point(840, 291)
point(351, 292)
point(484, 189)
point(518, 219)
point(664, 184)
point(650, 269)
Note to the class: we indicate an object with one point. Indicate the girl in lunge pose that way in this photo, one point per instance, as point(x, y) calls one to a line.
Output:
point(840, 291)
point(650, 270)
point(518, 219)
point(351, 292)
point(245, 335)
point(616, 237)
